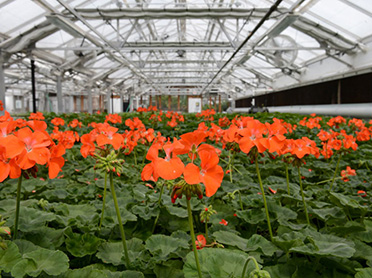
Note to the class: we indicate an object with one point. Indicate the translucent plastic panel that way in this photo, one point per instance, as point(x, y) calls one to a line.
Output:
point(345, 16)
point(18, 12)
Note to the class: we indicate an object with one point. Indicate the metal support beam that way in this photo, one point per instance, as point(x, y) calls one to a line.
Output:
point(121, 109)
point(90, 100)
point(108, 101)
point(60, 105)
point(2, 85)
point(33, 85)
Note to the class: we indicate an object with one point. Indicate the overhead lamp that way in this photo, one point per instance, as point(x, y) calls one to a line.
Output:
point(281, 25)
point(65, 25)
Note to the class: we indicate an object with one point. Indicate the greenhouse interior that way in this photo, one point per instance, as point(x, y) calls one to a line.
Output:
point(186, 138)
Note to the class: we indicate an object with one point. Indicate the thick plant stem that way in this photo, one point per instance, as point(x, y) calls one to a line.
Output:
point(193, 238)
point(334, 175)
point(103, 202)
point(246, 265)
point(264, 199)
point(230, 165)
point(159, 203)
point(287, 177)
point(121, 227)
point(240, 200)
point(303, 197)
point(206, 231)
point(18, 203)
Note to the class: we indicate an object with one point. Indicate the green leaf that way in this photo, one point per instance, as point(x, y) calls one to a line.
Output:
point(231, 239)
point(31, 219)
point(80, 245)
point(168, 271)
point(113, 252)
point(327, 213)
point(145, 212)
point(177, 211)
point(88, 271)
point(9, 257)
point(124, 274)
point(51, 262)
point(257, 242)
point(364, 273)
point(318, 244)
point(251, 216)
point(46, 237)
point(367, 235)
point(161, 246)
point(217, 263)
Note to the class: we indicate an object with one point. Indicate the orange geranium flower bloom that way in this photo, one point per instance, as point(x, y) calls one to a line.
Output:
point(190, 144)
point(200, 242)
point(169, 168)
point(107, 135)
point(8, 167)
point(253, 136)
point(56, 160)
point(209, 173)
point(75, 123)
point(58, 121)
point(88, 146)
point(34, 149)
point(36, 116)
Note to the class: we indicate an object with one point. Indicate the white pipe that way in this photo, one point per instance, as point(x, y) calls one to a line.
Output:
point(361, 110)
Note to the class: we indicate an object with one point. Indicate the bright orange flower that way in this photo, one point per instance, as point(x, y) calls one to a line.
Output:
point(8, 167)
point(200, 242)
point(36, 116)
point(134, 124)
point(108, 136)
point(169, 168)
point(75, 123)
point(223, 222)
point(346, 173)
point(190, 144)
point(209, 173)
point(113, 118)
point(252, 135)
point(56, 160)
point(88, 146)
point(58, 121)
point(1, 106)
point(35, 149)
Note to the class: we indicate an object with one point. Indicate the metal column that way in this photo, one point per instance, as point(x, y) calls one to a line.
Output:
point(121, 103)
point(90, 100)
point(2, 85)
point(59, 95)
point(33, 85)
point(108, 98)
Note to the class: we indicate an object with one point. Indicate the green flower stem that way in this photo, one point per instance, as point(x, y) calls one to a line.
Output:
point(18, 206)
point(287, 177)
point(246, 265)
point(193, 238)
point(334, 175)
point(230, 165)
point(303, 196)
point(264, 199)
point(104, 202)
point(121, 227)
point(159, 203)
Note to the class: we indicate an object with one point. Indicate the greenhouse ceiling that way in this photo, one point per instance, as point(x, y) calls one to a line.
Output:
point(234, 48)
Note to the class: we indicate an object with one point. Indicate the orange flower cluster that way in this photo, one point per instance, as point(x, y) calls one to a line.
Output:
point(175, 118)
point(24, 145)
point(75, 123)
point(172, 167)
point(311, 122)
point(113, 118)
point(207, 114)
point(148, 109)
point(345, 174)
point(336, 121)
point(1, 106)
point(336, 141)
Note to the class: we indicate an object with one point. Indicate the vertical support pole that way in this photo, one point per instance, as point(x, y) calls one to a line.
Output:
point(210, 102)
point(219, 104)
point(141, 101)
point(178, 103)
point(121, 103)
point(2, 85)
point(59, 95)
point(82, 103)
point(150, 100)
point(137, 102)
point(159, 102)
point(169, 102)
point(33, 85)
point(75, 104)
point(131, 102)
point(108, 98)
point(90, 100)
point(339, 92)
point(232, 104)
